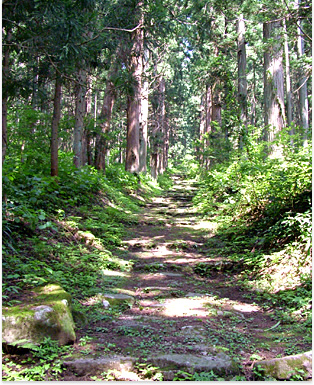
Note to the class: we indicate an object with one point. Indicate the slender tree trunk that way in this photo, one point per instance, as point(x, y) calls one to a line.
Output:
point(87, 138)
point(242, 82)
point(162, 125)
point(273, 82)
point(203, 116)
point(134, 99)
point(253, 100)
point(55, 125)
point(208, 123)
point(5, 74)
point(80, 110)
point(303, 97)
point(216, 107)
point(105, 117)
point(144, 119)
point(288, 78)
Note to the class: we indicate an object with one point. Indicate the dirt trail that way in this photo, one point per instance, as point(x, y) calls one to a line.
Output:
point(175, 311)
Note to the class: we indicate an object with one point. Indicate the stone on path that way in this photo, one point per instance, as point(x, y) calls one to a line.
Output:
point(286, 367)
point(47, 315)
point(118, 299)
point(170, 363)
point(94, 366)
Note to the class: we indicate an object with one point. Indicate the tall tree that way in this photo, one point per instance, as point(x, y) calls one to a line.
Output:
point(303, 98)
point(273, 80)
point(242, 82)
point(55, 125)
point(132, 163)
point(80, 110)
point(105, 116)
point(144, 115)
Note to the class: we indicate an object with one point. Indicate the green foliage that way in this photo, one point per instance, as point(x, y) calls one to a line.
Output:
point(44, 363)
point(262, 208)
point(203, 376)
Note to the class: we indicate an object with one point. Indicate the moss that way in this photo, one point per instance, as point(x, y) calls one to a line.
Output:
point(45, 315)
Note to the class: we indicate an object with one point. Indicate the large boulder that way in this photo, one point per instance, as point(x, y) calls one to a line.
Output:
point(47, 314)
point(286, 367)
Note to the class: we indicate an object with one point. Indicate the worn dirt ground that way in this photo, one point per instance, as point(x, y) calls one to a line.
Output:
point(176, 310)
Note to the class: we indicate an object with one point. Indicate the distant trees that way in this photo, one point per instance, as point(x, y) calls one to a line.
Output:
point(266, 94)
point(141, 81)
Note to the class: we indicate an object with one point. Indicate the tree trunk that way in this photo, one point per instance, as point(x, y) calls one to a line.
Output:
point(105, 117)
point(303, 97)
point(162, 125)
point(134, 99)
point(273, 82)
point(5, 74)
point(55, 125)
point(203, 122)
point(216, 106)
point(288, 78)
point(242, 82)
point(80, 110)
point(87, 138)
point(144, 119)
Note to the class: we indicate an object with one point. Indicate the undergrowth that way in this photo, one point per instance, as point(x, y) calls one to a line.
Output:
point(262, 210)
point(64, 229)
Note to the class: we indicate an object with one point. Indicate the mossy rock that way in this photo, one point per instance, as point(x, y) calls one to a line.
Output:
point(47, 314)
point(287, 367)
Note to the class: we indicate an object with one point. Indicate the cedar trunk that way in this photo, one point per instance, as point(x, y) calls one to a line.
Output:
point(55, 126)
point(80, 110)
point(273, 82)
point(134, 101)
point(5, 74)
point(242, 82)
point(144, 119)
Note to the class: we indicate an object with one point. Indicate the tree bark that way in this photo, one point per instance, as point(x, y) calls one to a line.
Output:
point(273, 82)
point(55, 125)
point(288, 78)
point(303, 97)
point(87, 138)
point(144, 119)
point(203, 125)
point(242, 82)
point(134, 99)
point(105, 117)
point(5, 74)
point(162, 125)
point(80, 110)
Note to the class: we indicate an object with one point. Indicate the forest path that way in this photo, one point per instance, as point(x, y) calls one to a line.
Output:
point(176, 315)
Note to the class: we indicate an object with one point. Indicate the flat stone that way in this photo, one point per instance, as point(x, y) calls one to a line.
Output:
point(219, 363)
point(194, 295)
point(117, 299)
point(94, 366)
point(284, 368)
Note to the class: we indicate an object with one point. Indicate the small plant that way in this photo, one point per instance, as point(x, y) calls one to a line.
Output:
point(45, 363)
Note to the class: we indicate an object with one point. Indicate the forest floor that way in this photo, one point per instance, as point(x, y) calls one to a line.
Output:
point(176, 311)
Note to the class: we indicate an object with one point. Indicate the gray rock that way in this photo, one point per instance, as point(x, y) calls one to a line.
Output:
point(106, 304)
point(41, 314)
point(118, 299)
point(169, 363)
point(286, 367)
point(48, 315)
point(94, 366)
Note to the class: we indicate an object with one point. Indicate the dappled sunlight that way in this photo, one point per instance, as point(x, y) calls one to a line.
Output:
point(114, 273)
point(205, 225)
point(184, 307)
